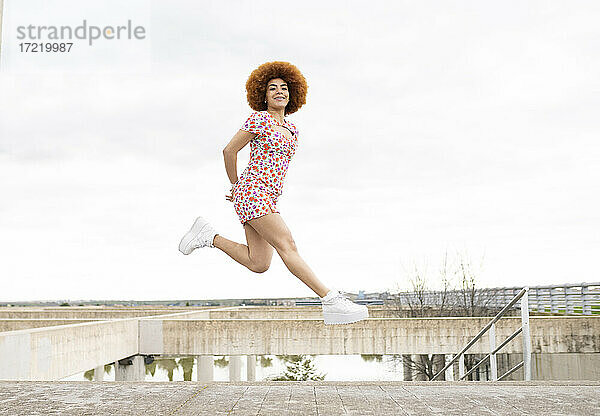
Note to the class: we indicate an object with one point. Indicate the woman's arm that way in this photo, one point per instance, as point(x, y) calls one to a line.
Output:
point(237, 143)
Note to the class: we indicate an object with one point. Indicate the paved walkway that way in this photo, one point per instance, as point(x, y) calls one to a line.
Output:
point(298, 398)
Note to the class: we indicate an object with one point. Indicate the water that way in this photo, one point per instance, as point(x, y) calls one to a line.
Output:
point(333, 367)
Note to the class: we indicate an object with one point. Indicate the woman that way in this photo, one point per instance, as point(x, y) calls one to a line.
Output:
point(274, 90)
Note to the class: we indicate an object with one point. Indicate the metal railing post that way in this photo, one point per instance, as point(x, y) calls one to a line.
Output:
point(461, 366)
point(569, 307)
point(526, 336)
point(450, 370)
point(493, 362)
point(586, 307)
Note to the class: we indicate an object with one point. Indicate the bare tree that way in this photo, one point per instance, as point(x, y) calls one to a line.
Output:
point(464, 299)
point(416, 300)
point(457, 292)
point(446, 281)
point(472, 300)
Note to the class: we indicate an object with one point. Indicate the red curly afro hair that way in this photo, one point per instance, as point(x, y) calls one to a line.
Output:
point(256, 86)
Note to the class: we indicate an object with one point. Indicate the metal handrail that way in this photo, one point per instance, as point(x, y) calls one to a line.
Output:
point(498, 348)
point(567, 299)
point(523, 295)
point(476, 366)
point(512, 370)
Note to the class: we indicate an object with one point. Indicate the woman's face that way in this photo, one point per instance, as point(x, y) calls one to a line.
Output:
point(277, 95)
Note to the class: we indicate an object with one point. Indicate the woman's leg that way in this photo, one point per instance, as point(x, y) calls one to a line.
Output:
point(256, 256)
point(276, 233)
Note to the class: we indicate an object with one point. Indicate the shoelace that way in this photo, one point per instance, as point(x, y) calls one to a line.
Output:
point(202, 239)
point(343, 299)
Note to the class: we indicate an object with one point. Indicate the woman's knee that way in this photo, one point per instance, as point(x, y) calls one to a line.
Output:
point(286, 244)
point(260, 267)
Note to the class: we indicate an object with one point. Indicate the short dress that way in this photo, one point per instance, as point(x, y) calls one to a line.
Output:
point(261, 183)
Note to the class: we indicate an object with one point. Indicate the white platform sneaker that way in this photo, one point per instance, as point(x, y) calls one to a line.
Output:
point(201, 234)
point(337, 309)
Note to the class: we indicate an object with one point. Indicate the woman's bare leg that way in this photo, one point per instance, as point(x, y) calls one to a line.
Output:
point(256, 256)
point(273, 230)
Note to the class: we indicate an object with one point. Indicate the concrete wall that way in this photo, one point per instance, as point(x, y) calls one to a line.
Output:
point(17, 324)
point(283, 312)
point(96, 312)
point(236, 312)
point(68, 313)
point(548, 367)
point(372, 336)
point(57, 352)
point(566, 366)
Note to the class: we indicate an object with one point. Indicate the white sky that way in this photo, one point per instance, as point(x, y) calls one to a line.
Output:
point(430, 126)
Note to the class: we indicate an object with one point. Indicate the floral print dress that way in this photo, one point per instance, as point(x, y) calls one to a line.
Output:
point(256, 191)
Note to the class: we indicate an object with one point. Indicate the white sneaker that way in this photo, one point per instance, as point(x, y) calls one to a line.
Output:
point(339, 310)
point(201, 234)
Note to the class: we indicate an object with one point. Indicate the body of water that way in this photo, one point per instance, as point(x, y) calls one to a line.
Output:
point(332, 367)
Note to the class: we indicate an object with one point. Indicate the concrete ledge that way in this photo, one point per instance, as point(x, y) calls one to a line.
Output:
point(71, 313)
point(371, 336)
point(18, 324)
point(62, 349)
point(55, 352)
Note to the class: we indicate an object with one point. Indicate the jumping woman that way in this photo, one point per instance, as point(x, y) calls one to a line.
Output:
point(274, 90)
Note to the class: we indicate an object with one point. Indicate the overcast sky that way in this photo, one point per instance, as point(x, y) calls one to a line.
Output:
point(430, 126)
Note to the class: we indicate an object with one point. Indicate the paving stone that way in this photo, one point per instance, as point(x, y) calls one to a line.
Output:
point(327, 398)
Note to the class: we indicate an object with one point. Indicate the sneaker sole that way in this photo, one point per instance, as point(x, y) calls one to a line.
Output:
point(190, 235)
point(343, 318)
